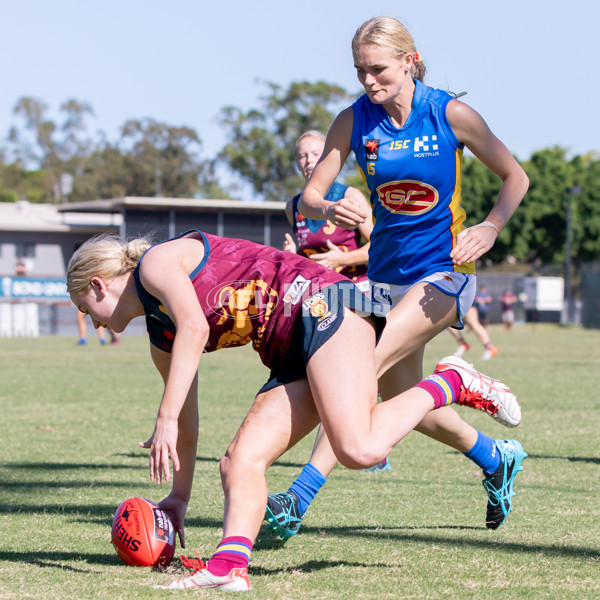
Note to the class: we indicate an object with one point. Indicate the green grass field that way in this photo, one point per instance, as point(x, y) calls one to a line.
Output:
point(70, 422)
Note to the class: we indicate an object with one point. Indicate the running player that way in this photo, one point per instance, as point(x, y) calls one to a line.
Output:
point(408, 141)
point(507, 301)
point(200, 293)
point(483, 299)
point(471, 320)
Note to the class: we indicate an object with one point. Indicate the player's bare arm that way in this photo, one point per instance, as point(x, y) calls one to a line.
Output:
point(346, 212)
point(335, 257)
point(471, 129)
point(179, 300)
point(175, 504)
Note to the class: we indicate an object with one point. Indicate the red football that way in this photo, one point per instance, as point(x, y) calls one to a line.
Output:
point(143, 534)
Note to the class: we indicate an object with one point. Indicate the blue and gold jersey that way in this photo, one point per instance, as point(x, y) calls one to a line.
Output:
point(414, 176)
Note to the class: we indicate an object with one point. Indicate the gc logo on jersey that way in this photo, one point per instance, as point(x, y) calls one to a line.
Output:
point(371, 149)
point(407, 197)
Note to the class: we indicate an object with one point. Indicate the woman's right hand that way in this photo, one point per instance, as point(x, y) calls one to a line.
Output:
point(162, 443)
point(346, 213)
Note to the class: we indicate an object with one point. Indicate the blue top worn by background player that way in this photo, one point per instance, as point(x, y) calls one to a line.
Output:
point(408, 140)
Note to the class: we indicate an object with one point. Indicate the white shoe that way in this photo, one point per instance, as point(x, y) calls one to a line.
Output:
point(235, 581)
point(462, 348)
point(482, 392)
point(489, 353)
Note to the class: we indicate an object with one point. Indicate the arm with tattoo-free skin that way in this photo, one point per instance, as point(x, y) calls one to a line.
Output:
point(470, 128)
point(176, 427)
point(347, 212)
point(334, 257)
point(175, 504)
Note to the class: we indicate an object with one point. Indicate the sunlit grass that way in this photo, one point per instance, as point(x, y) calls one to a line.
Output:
point(70, 422)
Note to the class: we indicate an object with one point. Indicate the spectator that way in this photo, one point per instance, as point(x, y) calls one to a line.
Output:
point(483, 300)
point(20, 268)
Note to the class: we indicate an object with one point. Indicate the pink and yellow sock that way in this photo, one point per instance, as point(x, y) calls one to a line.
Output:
point(232, 553)
point(444, 387)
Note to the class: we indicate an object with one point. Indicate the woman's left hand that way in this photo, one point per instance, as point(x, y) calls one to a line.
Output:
point(289, 245)
point(332, 259)
point(473, 243)
point(176, 509)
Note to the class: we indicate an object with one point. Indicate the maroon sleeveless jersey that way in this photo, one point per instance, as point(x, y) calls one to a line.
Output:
point(248, 293)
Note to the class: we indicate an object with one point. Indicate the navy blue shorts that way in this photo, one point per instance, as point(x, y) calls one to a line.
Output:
point(322, 314)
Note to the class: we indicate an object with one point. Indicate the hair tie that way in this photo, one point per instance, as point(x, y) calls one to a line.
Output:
point(417, 57)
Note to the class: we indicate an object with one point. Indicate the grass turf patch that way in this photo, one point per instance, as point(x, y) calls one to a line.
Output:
point(72, 417)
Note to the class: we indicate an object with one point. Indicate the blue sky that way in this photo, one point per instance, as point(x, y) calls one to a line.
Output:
point(530, 67)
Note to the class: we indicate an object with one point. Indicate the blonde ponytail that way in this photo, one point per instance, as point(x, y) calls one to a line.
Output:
point(105, 256)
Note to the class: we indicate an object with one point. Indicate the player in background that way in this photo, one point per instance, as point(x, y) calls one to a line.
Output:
point(200, 293)
point(345, 250)
point(82, 330)
point(483, 299)
point(471, 320)
point(408, 141)
point(507, 300)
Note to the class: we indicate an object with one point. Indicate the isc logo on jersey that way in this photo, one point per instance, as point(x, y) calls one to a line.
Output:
point(407, 197)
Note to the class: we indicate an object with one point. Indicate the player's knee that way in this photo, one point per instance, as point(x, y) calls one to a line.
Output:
point(235, 464)
point(225, 467)
point(230, 465)
point(358, 456)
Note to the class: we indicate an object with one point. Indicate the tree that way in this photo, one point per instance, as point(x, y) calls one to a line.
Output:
point(164, 159)
point(537, 230)
point(51, 150)
point(150, 159)
point(261, 147)
point(586, 208)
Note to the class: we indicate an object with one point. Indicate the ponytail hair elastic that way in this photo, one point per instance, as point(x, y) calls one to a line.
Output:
point(418, 57)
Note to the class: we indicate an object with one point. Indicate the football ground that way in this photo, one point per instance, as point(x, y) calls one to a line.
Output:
point(71, 418)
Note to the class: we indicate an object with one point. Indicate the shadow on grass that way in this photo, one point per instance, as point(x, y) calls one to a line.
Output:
point(265, 542)
point(417, 535)
point(318, 565)
point(99, 510)
point(39, 486)
point(146, 454)
point(57, 466)
point(54, 466)
point(57, 559)
point(586, 459)
point(277, 463)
